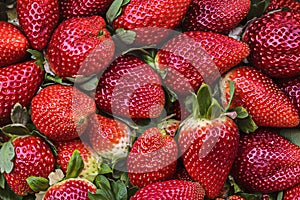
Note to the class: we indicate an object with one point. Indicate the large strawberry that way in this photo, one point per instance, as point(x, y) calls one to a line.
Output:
point(13, 44)
point(292, 193)
point(38, 19)
point(152, 158)
point(196, 57)
point(208, 142)
point(33, 157)
point(130, 88)
point(266, 162)
point(274, 40)
point(80, 46)
point(262, 98)
point(294, 5)
point(19, 84)
point(217, 16)
point(61, 112)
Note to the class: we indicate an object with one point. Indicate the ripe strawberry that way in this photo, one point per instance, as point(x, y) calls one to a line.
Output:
point(236, 197)
point(216, 16)
point(13, 44)
point(33, 157)
point(274, 41)
point(130, 88)
point(73, 188)
point(61, 112)
point(152, 158)
point(292, 193)
point(173, 189)
point(80, 46)
point(38, 20)
point(263, 159)
point(18, 84)
point(83, 8)
point(196, 57)
point(294, 5)
point(264, 100)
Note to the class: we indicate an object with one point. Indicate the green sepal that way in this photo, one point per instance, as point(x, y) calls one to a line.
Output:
point(98, 195)
point(232, 91)
point(15, 129)
point(246, 125)
point(2, 181)
point(280, 195)
point(126, 36)
point(40, 59)
point(75, 165)
point(204, 100)
point(19, 114)
point(115, 10)
point(257, 8)
point(103, 184)
point(53, 79)
point(131, 191)
point(7, 154)
point(119, 190)
point(38, 183)
point(215, 110)
point(105, 169)
point(240, 111)
point(8, 194)
point(236, 187)
point(292, 134)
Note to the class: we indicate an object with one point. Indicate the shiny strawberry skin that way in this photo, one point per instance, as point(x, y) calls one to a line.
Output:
point(208, 150)
point(294, 5)
point(266, 162)
point(261, 97)
point(173, 189)
point(38, 19)
point(33, 157)
point(130, 88)
point(19, 84)
point(292, 193)
point(61, 112)
point(13, 44)
point(196, 57)
point(274, 40)
point(215, 16)
point(82, 8)
point(80, 46)
point(70, 189)
point(152, 158)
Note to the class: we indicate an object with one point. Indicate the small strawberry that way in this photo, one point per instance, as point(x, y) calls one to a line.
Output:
point(38, 19)
point(292, 193)
point(266, 162)
point(130, 88)
point(261, 97)
point(152, 158)
point(236, 197)
point(80, 46)
point(13, 44)
point(173, 189)
point(73, 188)
point(216, 16)
point(61, 112)
point(33, 157)
point(18, 84)
point(274, 40)
point(294, 5)
point(196, 57)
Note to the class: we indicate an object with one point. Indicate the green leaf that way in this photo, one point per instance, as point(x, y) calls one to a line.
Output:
point(292, 135)
point(280, 195)
point(75, 165)
point(7, 154)
point(204, 99)
point(104, 187)
point(38, 183)
point(2, 181)
point(240, 111)
point(126, 36)
point(15, 129)
point(19, 114)
point(115, 10)
point(215, 110)
point(257, 8)
point(232, 91)
point(105, 169)
point(54, 79)
point(131, 191)
point(98, 195)
point(236, 188)
point(247, 125)
point(38, 56)
point(119, 190)
point(8, 194)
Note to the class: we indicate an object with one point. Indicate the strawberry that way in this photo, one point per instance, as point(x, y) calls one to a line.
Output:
point(80, 46)
point(236, 197)
point(13, 44)
point(274, 41)
point(61, 112)
point(182, 174)
point(173, 189)
point(263, 159)
point(130, 88)
point(38, 19)
point(110, 138)
point(216, 16)
point(152, 158)
point(196, 57)
point(261, 97)
point(170, 126)
point(33, 157)
point(18, 84)
point(83, 8)
point(73, 188)
point(292, 193)
point(294, 5)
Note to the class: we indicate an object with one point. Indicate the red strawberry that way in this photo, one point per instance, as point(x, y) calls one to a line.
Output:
point(274, 40)
point(130, 88)
point(80, 46)
point(13, 44)
point(216, 16)
point(33, 157)
point(236, 197)
point(61, 112)
point(292, 193)
point(182, 174)
point(264, 100)
point(83, 8)
point(73, 188)
point(18, 84)
point(266, 162)
point(38, 19)
point(174, 189)
point(294, 5)
point(152, 158)
point(196, 57)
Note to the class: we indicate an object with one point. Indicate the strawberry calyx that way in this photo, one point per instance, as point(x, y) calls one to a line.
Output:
point(115, 10)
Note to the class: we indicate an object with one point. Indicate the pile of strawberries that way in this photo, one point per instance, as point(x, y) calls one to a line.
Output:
point(140, 100)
